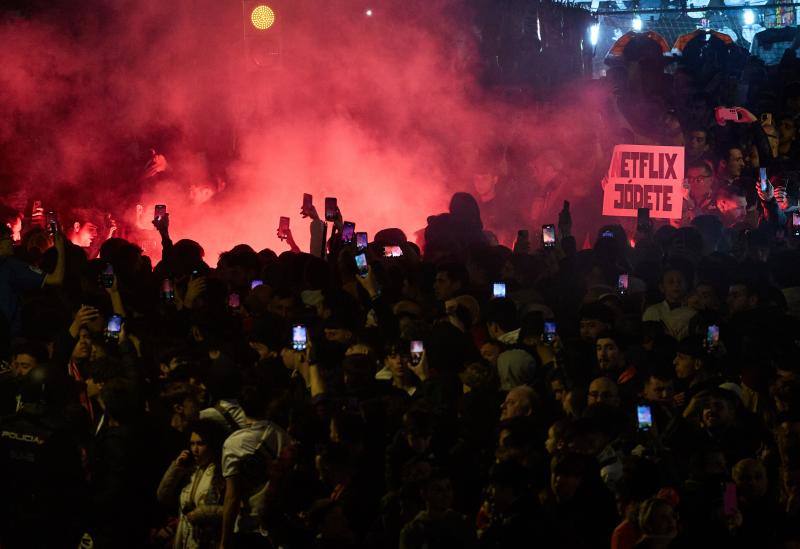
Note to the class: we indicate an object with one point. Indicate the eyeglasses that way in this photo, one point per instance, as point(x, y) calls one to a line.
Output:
point(699, 178)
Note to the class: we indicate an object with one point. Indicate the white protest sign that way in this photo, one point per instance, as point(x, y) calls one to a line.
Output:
point(645, 176)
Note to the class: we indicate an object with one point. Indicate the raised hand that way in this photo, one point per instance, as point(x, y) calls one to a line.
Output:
point(767, 194)
point(184, 459)
point(156, 165)
point(162, 224)
point(84, 316)
point(311, 212)
point(196, 287)
point(420, 369)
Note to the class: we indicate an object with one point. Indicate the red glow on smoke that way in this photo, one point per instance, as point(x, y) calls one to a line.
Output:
point(384, 113)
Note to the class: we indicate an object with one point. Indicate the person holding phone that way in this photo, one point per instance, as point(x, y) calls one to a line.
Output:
point(396, 361)
point(711, 419)
point(16, 276)
point(771, 210)
point(193, 484)
point(285, 234)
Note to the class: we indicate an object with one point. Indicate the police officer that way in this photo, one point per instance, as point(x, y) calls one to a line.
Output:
point(40, 468)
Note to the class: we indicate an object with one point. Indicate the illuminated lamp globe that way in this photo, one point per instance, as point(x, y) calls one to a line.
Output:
point(262, 17)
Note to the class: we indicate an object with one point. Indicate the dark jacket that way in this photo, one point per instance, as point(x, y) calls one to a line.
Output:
point(121, 491)
point(40, 464)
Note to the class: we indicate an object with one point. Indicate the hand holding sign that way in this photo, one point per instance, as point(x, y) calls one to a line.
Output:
point(643, 176)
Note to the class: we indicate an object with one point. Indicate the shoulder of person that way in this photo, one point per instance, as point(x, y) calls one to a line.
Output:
point(654, 311)
point(16, 263)
point(235, 438)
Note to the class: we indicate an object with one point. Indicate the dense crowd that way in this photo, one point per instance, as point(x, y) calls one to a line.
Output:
point(641, 392)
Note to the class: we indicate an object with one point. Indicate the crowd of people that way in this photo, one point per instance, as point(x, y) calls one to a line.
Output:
point(639, 391)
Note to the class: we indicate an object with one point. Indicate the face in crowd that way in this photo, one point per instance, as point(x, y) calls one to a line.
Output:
point(673, 286)
point(609, 355)
point(603, 391)
point(696, 143)
point(658, 390)
point(733, 208)
point(734, 164)
point(700, 182)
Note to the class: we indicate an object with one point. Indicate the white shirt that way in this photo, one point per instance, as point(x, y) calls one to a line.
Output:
point(233, 409)
point(676, 321)
point(246, 442)
point(259, 437)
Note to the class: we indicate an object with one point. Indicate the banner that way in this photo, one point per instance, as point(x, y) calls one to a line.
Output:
point(645, 176)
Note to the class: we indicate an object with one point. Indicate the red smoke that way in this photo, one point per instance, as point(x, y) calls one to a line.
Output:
point(383, 112)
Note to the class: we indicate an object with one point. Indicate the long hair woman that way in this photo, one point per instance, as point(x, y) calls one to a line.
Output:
point(195, 485)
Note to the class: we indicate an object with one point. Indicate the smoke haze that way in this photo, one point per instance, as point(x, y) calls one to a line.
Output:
point(383, 112)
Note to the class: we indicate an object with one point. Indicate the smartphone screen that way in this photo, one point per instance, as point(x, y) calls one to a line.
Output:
point(549, 331)
point(256, 283)
point(167, 291)
point(283, 228)
point(361, 265)
point(392, 251)
point(417, 349)
point(160, 211)
point(348, 231)
point(796, 223)
point(361, 241)
point(622, 283)
point(233, 301)
point(299, 338)
point(762, 178)
point(645, 417)
point(330, 209)
point(307, 202)
point(712, 337)
point(107, 278)
point(549, 236)
point(114, 327)
point(52, 222)
point(499, 289)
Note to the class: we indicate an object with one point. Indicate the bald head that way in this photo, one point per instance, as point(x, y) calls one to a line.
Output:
point(519, 402)
point(603, 390)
